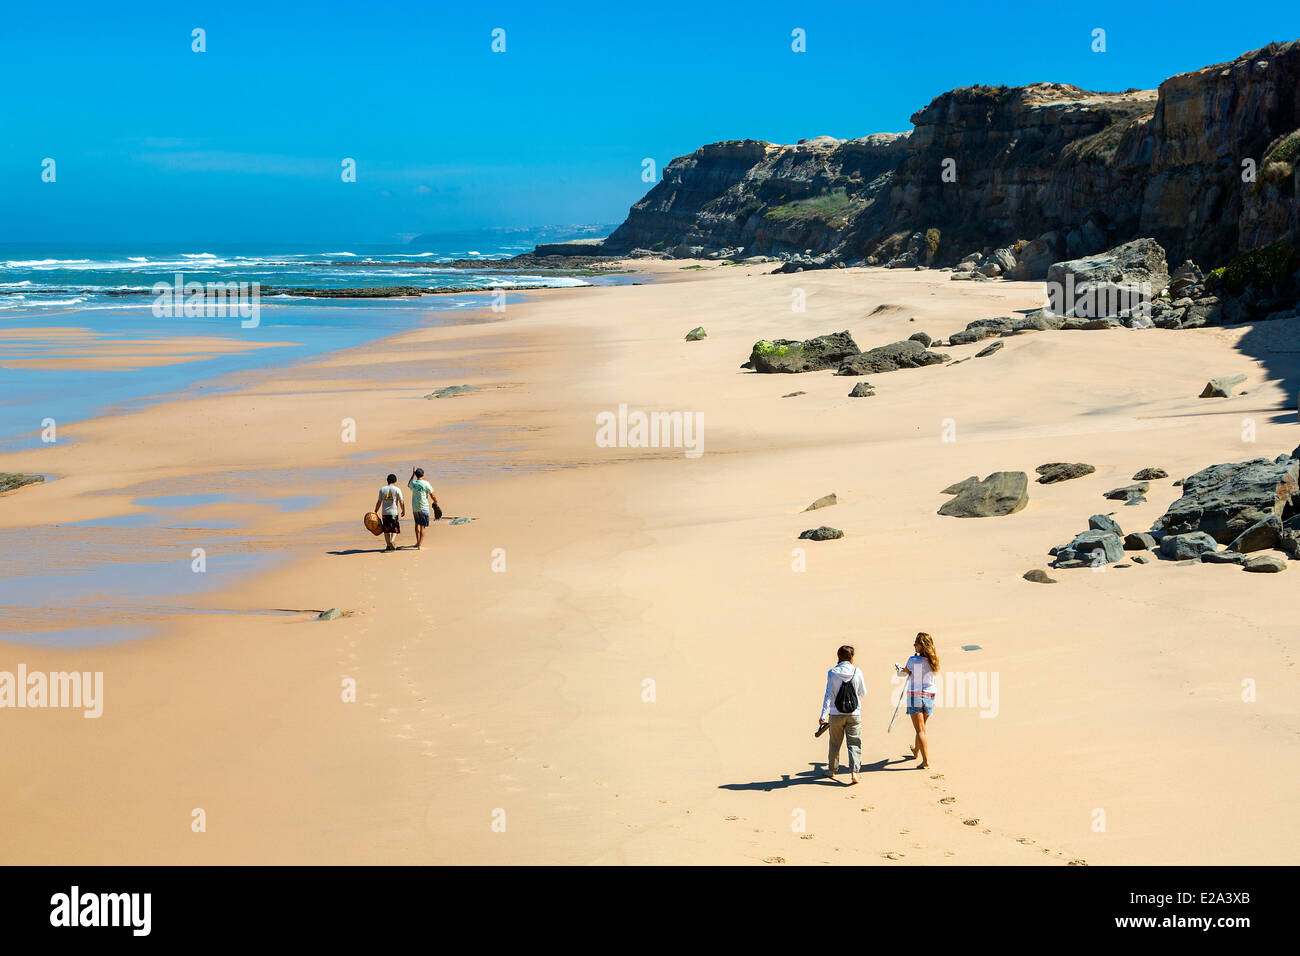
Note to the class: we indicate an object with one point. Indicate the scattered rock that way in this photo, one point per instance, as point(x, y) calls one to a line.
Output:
point(808, 355)
point(1062, 471)
point(451, 391)
point(1224, 500)
point(889, 358)
point(982, 329)
point(1265, 564)
point(825, 501)
point(1140, 559)
point(1091, 548)
point(1001, 493)
point(989, 350)
point(793, 394)
point(862, 390)
point(1038, 576)
point(1139, 541)
point(921, 337)
point(1221, 387)
point(1150, 474)
point(330, 615)
point(1128, 492)
point(697, 333)
point(1222, 557)
point(10, 481)
point(1105, 523)
point(823, 533)
point(1263, 535)
point(1185, 547)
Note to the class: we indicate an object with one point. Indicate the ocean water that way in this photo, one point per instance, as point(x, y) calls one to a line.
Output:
point(46, 287)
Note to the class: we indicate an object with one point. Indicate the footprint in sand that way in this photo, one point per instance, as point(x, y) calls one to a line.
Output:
point(806, 836)
point(947, 799)
point(973, 822)
point(774, 859)
point(892, 855)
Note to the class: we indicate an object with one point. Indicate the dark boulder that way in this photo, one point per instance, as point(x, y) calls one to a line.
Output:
point(823, 533)
point(1139, 541)
point(1265, 564)
point(1001, 493)
point(1128, 492)
point(1224, 500)
point(1105, 523)
point(889, 358)
point(808, 355)
point(1263, 535)
point(1184, 547)
point(1062, 471)
point(1092, 548)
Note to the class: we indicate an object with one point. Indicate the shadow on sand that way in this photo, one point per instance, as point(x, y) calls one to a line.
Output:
point(817, 775)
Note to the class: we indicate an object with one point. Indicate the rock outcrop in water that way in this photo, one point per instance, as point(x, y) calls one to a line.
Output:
point(1032, 175)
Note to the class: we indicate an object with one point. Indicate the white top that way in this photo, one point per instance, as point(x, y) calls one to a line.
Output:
point(390, 498)
point(921, 678)
point(837, 676)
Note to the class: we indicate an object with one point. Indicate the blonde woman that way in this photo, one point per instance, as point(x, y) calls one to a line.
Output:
point(920, 670)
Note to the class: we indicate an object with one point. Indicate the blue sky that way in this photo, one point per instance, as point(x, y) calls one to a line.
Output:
point(244, 142)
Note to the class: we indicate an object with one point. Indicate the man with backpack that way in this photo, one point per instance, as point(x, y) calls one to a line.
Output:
point(842, 712)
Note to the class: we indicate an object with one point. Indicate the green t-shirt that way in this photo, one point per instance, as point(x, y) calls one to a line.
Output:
point(421, 490)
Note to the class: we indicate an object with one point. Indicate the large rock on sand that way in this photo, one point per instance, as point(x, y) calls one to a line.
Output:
point(1184, 547)
point(1110, 284)
point(824, 533)
point(808, 355)
point(825, 501)
point(1225, 500)
point(1261, 536)
point(889, 358)
point(1055, 471)
point(1095, 547)
point(11, 482)
point(1001, 493)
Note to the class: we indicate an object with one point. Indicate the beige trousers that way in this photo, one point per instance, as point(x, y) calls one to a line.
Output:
point(842, 726)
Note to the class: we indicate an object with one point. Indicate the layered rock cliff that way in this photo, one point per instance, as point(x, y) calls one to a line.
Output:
point(1206, 164)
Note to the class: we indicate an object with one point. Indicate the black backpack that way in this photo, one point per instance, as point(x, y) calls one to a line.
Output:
point(846, 701)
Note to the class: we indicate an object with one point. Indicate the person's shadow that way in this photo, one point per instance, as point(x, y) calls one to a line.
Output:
point(817, 775)
point(358, 551)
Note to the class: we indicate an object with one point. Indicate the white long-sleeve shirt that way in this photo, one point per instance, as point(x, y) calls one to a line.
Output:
point(835, 677)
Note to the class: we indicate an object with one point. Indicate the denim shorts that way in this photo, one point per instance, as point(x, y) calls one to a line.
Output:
point(422, 519)
point(920, 704)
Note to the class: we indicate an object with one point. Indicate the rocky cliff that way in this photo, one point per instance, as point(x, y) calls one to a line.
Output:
point(1206, 164)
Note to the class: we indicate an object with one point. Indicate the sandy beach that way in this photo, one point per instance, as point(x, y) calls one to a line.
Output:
point(621, 658)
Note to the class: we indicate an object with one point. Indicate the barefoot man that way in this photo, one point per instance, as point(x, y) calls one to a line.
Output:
point(390, 505)
point(421, 499)
point(842, 706)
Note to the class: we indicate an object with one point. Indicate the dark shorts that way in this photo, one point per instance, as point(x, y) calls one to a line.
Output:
point(422, 519)
point(391, 525)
